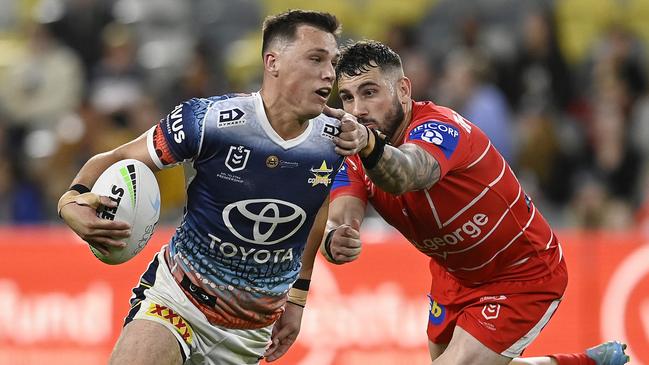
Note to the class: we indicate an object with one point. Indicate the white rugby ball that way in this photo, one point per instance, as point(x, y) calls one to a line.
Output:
point(135, 189)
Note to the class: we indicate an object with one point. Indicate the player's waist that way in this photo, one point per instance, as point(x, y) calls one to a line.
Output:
point(504, 267)
point(228, 305)
point(220, 247)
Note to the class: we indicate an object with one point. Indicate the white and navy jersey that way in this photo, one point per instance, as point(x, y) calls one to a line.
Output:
point(252, 198)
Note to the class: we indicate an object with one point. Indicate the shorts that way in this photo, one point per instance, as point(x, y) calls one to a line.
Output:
point(158, 298)
point(504, 316)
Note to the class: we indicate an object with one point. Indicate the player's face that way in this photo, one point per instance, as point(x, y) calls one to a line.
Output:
point(307, 69)
point(374, 99)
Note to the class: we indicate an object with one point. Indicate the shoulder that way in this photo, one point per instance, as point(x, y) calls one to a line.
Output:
point(200, 106)
point(430, 121)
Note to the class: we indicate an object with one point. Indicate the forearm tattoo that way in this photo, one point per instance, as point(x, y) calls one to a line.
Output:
point(403, 169)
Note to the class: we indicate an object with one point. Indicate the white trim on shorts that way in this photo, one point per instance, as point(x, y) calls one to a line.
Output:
point(517, 348)
point(209, 344)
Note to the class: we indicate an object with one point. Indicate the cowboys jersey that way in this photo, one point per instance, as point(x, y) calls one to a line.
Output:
point(252, 198)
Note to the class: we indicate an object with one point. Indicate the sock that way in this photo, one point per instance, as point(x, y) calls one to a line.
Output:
point(573, 359)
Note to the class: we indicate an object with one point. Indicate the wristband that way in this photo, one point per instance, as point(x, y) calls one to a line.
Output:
point(80, 188)
point(327, 244)
point(297, 296)
point(375, 155)
point(302, 284)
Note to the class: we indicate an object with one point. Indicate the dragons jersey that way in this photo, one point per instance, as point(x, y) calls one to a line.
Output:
point(476, 221)
point(252, 198)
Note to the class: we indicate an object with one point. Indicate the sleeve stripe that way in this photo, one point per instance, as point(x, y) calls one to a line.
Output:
point(151, 147)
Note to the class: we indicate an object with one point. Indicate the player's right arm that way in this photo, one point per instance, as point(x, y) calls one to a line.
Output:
point(342, 238)
point(175, 139)
point(400, 170)
point(78, 209)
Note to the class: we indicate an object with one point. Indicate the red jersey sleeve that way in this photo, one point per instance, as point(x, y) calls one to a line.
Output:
point(350, 180)
point(446, 137)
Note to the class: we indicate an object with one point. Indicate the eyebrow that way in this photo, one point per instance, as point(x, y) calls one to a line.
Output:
point(322, 50)
point(361, 86)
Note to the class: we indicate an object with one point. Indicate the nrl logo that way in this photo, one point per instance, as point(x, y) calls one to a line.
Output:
point(237, 158)
point(321, 175)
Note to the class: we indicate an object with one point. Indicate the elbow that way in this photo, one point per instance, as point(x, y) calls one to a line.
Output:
point(397, 186)
point(397, 189)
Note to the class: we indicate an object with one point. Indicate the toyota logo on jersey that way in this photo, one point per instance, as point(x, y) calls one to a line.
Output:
point(263, 221)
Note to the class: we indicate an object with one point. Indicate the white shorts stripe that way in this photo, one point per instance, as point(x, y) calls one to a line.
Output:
point(517, 348)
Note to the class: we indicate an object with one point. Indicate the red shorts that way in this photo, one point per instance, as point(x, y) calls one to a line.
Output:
point(504, 316)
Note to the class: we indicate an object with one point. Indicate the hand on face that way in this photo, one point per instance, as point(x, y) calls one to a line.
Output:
point(353, 136)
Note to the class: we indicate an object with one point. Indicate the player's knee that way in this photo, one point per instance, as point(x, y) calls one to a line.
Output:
point(146, 342)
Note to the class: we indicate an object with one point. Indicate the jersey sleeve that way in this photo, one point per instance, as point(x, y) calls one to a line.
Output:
point(350, 180)
point(177, 137)
point(446, 140)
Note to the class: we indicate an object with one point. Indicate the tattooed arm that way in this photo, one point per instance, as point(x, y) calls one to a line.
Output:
point(403, 169)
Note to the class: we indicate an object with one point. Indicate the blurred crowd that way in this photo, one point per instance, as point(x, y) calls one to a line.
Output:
point(562, 89)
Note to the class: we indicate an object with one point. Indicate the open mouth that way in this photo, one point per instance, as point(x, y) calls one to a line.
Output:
point(324, 92)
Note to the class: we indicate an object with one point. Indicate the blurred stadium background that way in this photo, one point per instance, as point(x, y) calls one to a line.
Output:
point(561, 87)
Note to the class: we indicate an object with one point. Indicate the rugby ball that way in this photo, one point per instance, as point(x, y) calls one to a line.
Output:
point(134, 187)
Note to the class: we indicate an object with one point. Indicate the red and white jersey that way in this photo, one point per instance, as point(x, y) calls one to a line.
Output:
point(476, 221)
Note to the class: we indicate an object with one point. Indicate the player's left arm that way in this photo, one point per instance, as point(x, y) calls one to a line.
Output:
point(403, 169)
point(287, 327)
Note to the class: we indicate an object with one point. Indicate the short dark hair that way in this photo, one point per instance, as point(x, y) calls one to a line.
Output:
point(284, 25)
point(359, 57)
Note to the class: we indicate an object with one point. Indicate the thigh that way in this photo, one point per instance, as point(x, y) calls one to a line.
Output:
point(146, 342)
point(436, 349)
point(507, 324)
point(467, 350)
point(234, 346)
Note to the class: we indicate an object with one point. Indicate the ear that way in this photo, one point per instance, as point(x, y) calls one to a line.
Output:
point(271, 63)
point(404, 89)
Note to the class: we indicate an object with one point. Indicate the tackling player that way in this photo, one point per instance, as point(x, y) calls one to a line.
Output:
point(497, 267)
point(215, 293)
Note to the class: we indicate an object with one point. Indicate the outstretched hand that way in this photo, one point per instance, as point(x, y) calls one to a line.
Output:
point(285, 332)
point(81, 215)
point(346, 242)
point(353, 136)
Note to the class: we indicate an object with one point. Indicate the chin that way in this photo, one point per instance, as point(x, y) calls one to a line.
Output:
point(312, 111)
